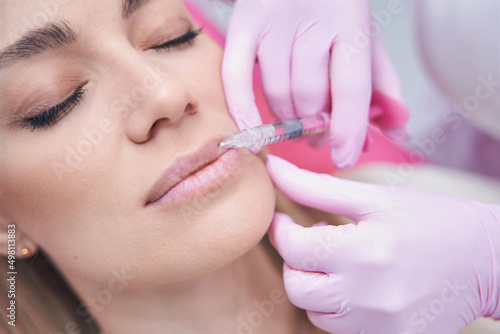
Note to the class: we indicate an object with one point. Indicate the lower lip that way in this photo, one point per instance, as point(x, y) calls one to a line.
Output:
point(204, 181)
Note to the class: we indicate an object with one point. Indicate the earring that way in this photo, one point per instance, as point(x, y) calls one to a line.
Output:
point(25, 251)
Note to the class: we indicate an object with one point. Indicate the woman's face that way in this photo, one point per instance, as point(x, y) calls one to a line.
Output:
point(103, 108)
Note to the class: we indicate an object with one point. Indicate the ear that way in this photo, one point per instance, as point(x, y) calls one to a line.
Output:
point(14, 242)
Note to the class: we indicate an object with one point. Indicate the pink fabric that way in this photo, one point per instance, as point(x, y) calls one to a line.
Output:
point(299, 152)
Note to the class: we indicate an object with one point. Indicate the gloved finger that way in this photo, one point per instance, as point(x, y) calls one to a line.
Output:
point(237, 68)
point(310, 68)
point(391, 116)
point(306, 249)
point(351, 89)
point(274, 59)
point(347, 198)
point(312, 290)
point(388, 94)
point(385, 78)
point(369, 139)
point(400, 135)
point(350, 322)
point(339, 323)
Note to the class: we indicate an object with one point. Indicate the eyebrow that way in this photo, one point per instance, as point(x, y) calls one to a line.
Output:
point(52, 36)
point(130, 6)
point(38, 41)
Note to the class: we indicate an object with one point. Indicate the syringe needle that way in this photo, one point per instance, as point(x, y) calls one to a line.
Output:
point(243, 139)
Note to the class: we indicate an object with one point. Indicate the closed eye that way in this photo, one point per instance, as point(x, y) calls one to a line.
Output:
point(186, 39)
point(54, 114)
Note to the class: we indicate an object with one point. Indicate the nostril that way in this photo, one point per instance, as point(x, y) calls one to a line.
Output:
point(192, 108)
point(157, 125)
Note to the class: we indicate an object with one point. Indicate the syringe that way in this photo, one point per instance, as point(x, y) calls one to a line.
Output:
point(280, 131)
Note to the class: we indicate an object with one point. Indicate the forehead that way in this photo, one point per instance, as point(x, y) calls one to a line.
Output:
point(17, 17)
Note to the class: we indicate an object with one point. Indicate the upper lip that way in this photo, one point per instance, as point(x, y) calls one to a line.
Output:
point(184, 166)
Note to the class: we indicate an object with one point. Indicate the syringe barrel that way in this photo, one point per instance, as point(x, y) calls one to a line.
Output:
point(288, 129)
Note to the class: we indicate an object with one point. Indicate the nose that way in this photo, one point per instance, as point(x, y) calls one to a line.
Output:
point(159, 98)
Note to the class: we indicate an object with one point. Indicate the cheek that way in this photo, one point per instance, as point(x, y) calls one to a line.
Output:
point(201, 70)
point(53, 179)
point(31, 183)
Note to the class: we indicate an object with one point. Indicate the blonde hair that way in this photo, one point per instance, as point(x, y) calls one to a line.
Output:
point(44, 301)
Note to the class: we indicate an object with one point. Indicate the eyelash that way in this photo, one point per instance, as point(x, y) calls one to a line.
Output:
point(51, 116)
point(186, 39)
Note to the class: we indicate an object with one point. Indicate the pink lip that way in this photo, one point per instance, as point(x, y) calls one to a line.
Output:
point(194, 174)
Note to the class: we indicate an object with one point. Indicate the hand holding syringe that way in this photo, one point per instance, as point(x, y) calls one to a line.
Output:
point(277, 132)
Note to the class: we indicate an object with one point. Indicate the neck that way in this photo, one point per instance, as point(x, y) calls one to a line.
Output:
point(246, 296)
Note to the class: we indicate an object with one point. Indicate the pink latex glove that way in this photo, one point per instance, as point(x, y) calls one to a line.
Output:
point(314, 55)
point(416, 262)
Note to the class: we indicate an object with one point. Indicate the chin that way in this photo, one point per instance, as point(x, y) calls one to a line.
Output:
point(240, 220)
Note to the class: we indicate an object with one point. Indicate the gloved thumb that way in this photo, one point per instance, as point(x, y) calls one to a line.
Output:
point(314, 249)
point(295, 243)
point(324, 192)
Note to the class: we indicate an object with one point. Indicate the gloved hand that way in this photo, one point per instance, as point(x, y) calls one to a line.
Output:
point(415, 262)
point(314, 56)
